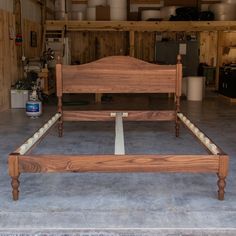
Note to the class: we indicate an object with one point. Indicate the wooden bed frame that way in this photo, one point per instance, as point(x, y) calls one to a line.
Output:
point(118, 74)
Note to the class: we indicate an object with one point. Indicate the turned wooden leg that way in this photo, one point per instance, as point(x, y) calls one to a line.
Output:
point(15, 183)
point(177, 124)
point(221, 185)
point(60, 128)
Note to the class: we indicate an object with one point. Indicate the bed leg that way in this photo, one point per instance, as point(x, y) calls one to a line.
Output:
point(222, 174)
point(15, 183)
point(221, 185)
point(13, 168)
point(177, 124)
point(60, 128)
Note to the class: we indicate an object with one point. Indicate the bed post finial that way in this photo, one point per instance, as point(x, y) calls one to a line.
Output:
point(178, 59)
point(58, 60)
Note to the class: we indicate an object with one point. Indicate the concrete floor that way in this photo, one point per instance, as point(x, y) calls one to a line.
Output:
point(127, 204)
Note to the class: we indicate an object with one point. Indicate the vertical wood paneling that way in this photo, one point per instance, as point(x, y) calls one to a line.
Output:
point(208, 48)
point(229, 52)
point(145, 46)
point(88, 46)
point(28, 27)
point(8, 60)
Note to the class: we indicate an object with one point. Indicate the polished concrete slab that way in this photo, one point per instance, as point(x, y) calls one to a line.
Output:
point(160, 203)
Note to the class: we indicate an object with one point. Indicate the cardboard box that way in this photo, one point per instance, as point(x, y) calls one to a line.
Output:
point(103, 13)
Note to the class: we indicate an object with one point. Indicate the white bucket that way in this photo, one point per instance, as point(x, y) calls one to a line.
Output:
point(195, 87)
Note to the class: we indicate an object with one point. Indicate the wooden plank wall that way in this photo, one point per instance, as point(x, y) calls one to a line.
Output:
point(89, 46)
point(8, 60)
point(145, 46)
point(208, 48)
point(229, 39)
point(27, 28)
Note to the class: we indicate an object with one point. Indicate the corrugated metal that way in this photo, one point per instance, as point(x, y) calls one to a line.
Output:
point(6, 5)
point(31, 10)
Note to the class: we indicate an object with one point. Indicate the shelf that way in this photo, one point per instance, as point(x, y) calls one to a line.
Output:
point(175, 26)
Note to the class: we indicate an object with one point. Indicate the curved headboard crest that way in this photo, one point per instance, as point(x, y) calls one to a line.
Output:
point(119, 74)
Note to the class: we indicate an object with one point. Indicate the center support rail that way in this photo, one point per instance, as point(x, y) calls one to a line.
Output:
point(119, 133)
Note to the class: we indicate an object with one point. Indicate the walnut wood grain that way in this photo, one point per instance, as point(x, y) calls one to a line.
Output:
point(106, 115)
point(119, 74)
point(116, 163)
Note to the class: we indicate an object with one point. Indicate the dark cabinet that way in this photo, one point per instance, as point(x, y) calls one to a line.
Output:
point(227, 81)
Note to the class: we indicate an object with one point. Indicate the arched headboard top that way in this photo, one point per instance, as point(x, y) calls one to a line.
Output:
point(117, 74)
point(122, 63)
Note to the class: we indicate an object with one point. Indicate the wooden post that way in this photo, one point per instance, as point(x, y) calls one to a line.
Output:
point(131, 43)
point(59, 95)
point(13, 168)
point(219, 57)
point(223, 171)
point(178, 93)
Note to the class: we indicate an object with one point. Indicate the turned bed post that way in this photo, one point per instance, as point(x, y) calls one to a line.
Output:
point(178, 93)
point(222, 174)
point(13, 163)
point(59, 95)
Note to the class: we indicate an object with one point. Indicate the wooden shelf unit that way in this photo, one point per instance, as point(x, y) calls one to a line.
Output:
point(176, 26)
point(220, 27)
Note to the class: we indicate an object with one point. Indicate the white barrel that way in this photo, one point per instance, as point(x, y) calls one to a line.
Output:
point(118, 14)
point(117, 3)
point(77, 15)
point(223, 11)
point(118, 9)
point(195, 87)
point(63, 9)
point(94, 3)
point(229, 1)
point(150, 14)
point(91, 13)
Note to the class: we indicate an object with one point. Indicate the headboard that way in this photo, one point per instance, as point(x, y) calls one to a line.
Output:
point(119, 74)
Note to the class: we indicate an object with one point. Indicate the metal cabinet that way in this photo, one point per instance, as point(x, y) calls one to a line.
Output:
point(227, 81)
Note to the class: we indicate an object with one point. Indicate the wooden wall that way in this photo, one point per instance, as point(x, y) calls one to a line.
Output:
point(89, 46)
point(8, 60)
point(29, 26)
point(208, 48)
point(228, 47)
point(145, 46)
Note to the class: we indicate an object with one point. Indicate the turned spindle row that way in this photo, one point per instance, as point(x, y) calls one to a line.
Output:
point(32, 140)
point(200, 135)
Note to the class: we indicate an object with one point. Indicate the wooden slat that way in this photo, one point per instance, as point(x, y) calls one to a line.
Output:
point(119, 135)
point(106, 115)
point(143, 25)
point(117, 163)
